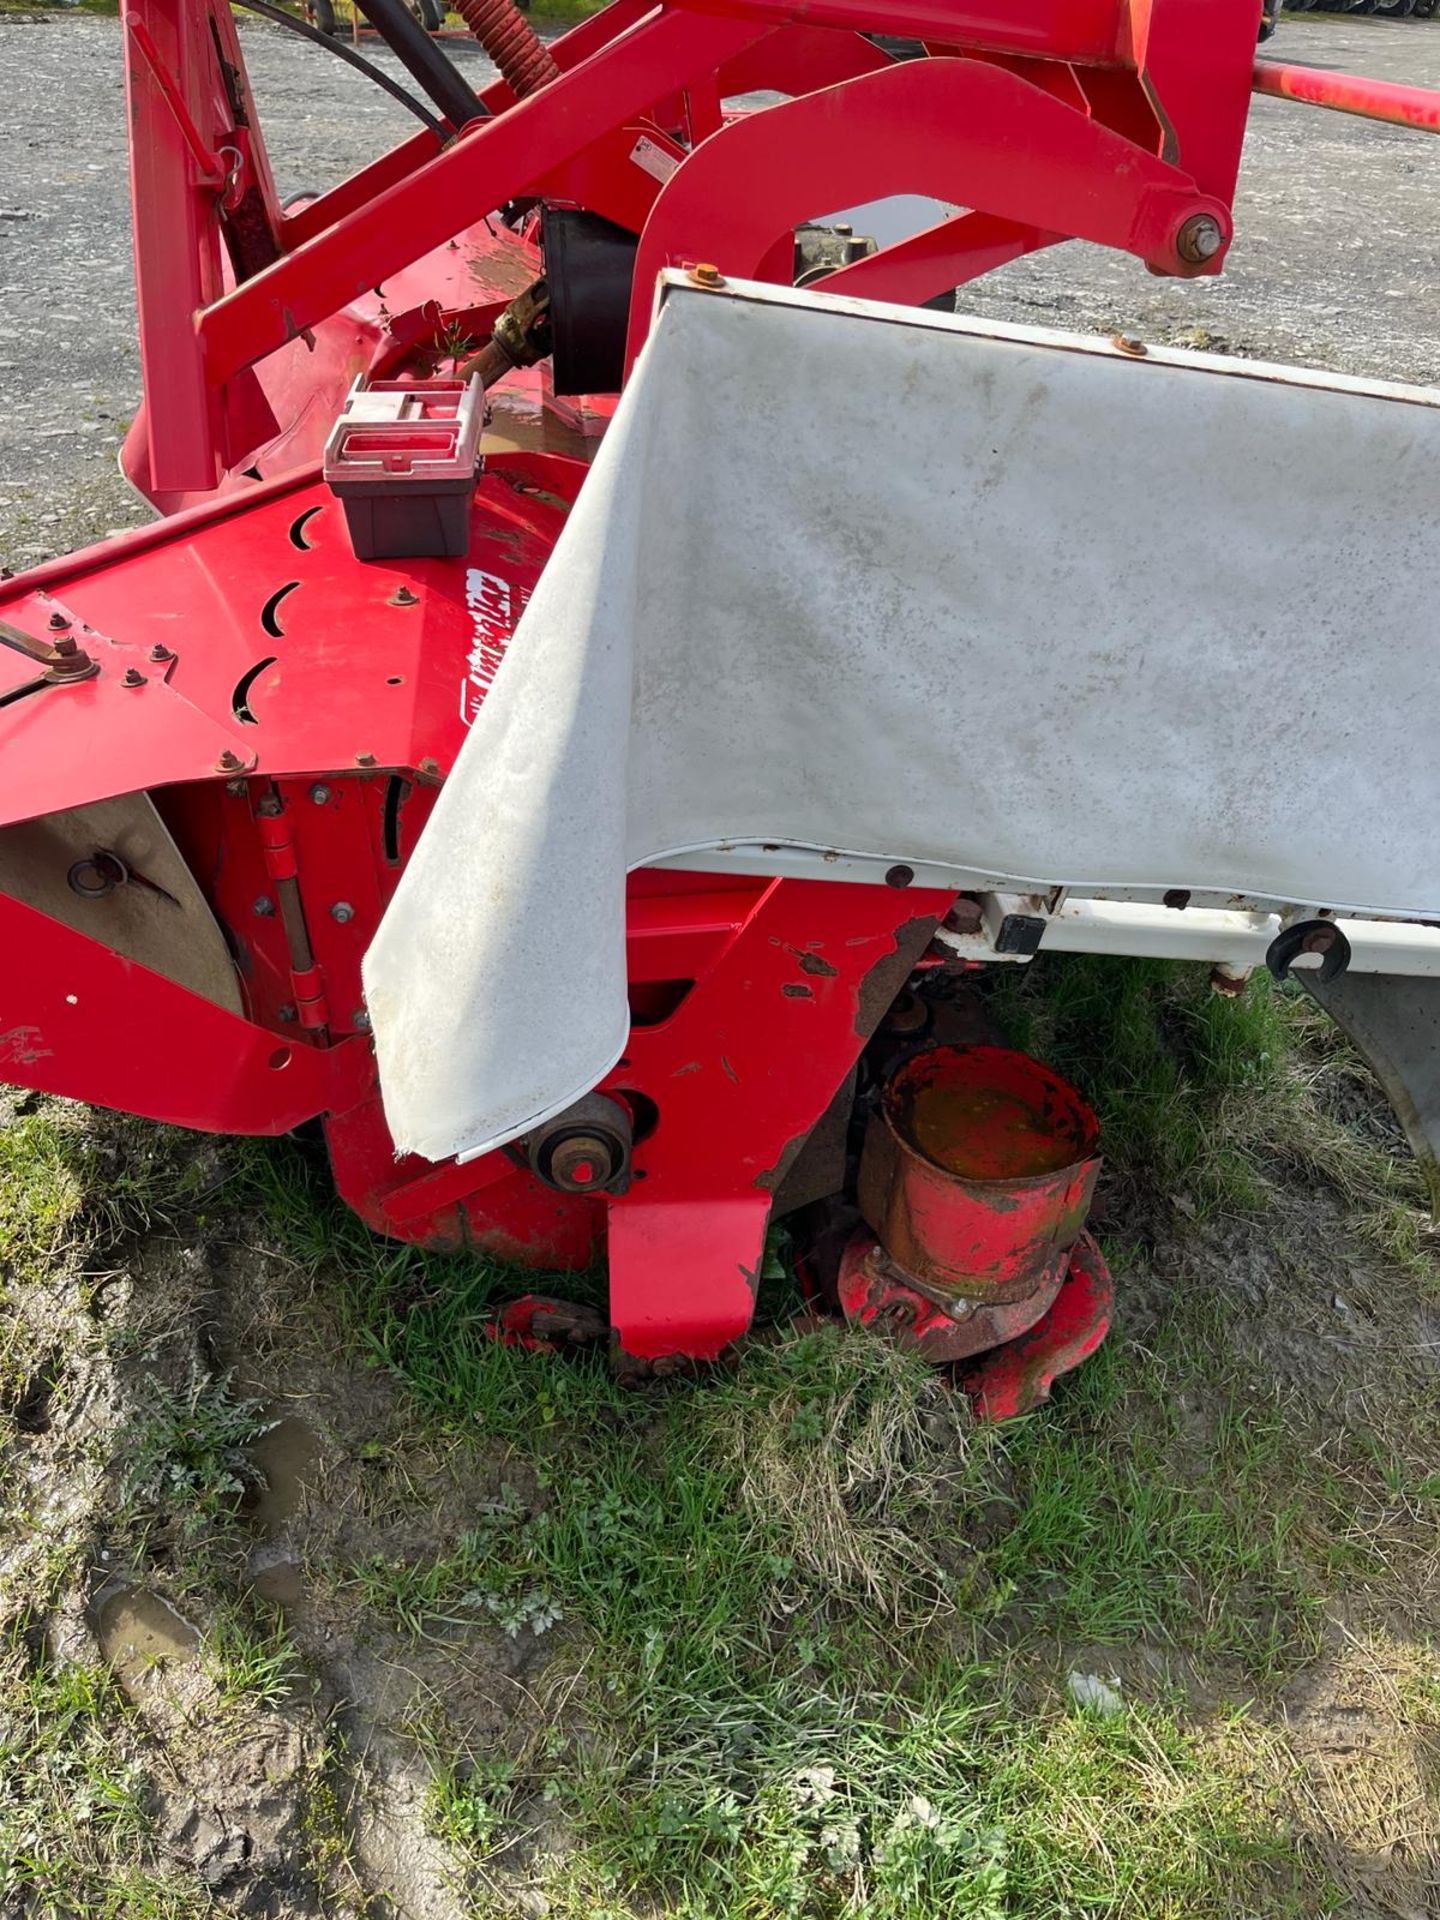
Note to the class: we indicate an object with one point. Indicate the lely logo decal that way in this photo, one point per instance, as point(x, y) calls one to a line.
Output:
point(495, 605)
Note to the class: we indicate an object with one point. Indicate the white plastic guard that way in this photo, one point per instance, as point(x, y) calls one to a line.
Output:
point(864, 578)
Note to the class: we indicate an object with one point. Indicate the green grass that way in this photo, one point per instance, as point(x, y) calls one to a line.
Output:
point(796, 1631)
point(252, 1661)
point(794, 1696)
point(810, 1629)
point(185, 1465)
point(1209, 1102)
point(42, 1189)
point(73, 1819)
point(1112, 1543)
point(77, 1182)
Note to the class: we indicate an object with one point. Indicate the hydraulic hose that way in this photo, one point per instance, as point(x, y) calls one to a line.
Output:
point(511, 42)
point(351, 59)
point(423, 60)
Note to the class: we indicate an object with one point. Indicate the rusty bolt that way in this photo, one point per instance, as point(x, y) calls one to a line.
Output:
point(364, 759)
point(360, 1020)
point(1130, 343)
point(319, 793)
point(65, 646)
point(160, 653)
point(270, 806)
point(1199, 239)
point(1177, 897)
point(228, 762)
point(706, 274)
point(132, 677)
point(58, 620)
point(429, 769)
point(264, 906)
point(581, 1163)
point(899, 876)
point(966, 916)
point(342, 911)
point(1224, 980)
point(403, 597)
point(1320, 940)
point(908, 1013)
point(236, 789)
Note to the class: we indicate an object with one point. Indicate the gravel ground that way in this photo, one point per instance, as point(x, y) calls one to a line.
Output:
point(1334, 260)
point(1340, 278)
point(69, 372)
point(1335, 263)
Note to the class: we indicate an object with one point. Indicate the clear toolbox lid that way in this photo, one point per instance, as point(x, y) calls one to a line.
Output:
point(415, 430)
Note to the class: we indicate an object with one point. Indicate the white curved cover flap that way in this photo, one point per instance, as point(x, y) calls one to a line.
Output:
point(861, 578)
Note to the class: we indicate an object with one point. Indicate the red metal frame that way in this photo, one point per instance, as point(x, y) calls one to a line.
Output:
point(291, 712)
point(1087, 82)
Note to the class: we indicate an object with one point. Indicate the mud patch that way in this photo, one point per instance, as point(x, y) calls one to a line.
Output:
point(285, 1457)
point(137, 1631)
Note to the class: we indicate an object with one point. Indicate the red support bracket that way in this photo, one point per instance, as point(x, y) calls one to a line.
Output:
point(738, 1075)
point(975, 135)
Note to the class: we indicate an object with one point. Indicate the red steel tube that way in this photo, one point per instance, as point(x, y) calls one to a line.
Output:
point(1417, 107)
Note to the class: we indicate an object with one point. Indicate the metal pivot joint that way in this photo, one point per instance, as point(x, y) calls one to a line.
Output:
point(586, 1149)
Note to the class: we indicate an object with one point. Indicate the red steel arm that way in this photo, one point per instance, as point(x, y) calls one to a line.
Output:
point(1417, 107)
point(1083, 30)
point(494, 161)
point(975, 135)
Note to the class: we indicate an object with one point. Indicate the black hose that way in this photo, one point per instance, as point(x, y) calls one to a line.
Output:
point(427, 63)
point(352, 59)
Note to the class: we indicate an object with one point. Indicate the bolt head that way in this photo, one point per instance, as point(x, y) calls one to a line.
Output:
point(159, 653)
point(364, 759)
point(1200, 238)
point(236, 789)
point(264, 906)
point(287, 1012)
point(706, 274)
point(1130, 343)
point(132, 677)
point(582, 1163)
point(967, 916)
point(899, 876)
point(342, 911)
point(58, 620)
point(228, 762)
point(65, 646)
point(319, 793)
point(360, 1020)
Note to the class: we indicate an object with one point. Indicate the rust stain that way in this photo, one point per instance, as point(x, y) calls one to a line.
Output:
point(890, 972)
point(792, 990)
point(501, 272)
point(690, 1066)
point(728, 1070)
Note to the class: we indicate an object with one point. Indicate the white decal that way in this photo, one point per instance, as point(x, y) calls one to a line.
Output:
point(495, 605)
point(653, 160)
